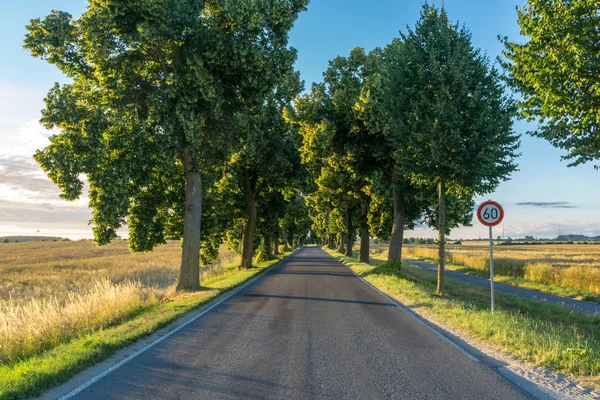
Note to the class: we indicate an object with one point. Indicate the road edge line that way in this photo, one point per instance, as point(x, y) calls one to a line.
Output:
point(201, 312)
point(527, 386)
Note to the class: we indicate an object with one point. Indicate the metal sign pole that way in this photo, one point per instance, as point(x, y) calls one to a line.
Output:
point(492, 268)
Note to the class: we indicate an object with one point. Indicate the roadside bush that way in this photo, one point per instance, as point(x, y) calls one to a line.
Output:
point(262, 256)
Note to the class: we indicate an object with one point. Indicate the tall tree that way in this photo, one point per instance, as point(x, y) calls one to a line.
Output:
point(153, 86)
point(296, 222)
point(267, 161)
point(459, 121)
point(557, 73)
point(335, 140)
point(382, 104)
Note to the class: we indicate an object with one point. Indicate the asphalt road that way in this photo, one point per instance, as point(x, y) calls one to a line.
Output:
point(586, 307)
point(309, 329)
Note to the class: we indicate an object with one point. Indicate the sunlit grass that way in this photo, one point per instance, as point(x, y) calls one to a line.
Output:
point(566, 270)
point(98, 303)
point(543, 334)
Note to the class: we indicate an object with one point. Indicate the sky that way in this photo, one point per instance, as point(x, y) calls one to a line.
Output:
point(542, 199)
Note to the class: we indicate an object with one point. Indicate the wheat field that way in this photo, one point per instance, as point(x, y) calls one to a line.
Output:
point(51, 292)
point(573, 266)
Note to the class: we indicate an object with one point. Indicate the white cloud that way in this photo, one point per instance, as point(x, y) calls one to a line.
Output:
point(29, 201)
point(24, 140)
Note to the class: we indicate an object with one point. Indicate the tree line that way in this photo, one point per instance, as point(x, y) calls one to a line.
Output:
point(188, 118)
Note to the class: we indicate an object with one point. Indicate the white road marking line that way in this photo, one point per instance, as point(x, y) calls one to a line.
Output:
point(413, 314)
point(225, 297)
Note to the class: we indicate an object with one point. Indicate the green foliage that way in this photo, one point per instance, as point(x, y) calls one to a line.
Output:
point(262, 256)
point(149, 81)
point(5, 240)
point(335, 144)
point(556, 73)
point(459, 212)
point(296, 220)
point(452, 105)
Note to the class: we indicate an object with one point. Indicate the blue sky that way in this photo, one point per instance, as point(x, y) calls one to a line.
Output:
point(556, 197)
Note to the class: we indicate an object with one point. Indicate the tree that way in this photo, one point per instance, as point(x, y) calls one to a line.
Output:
point(265, 162)
point(458, 117)
point(296, 222)
point(5, 240)
point(335, 142)
point(381, 105)
point(153, 88)
point(556, 73)
point(270, 211)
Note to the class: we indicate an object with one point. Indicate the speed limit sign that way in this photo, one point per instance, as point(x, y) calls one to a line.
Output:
point(490, 213)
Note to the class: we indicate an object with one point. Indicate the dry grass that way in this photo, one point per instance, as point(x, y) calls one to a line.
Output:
point(570, 266)
point(52, 292)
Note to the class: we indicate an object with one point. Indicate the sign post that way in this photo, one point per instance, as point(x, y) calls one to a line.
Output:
point(491, 214)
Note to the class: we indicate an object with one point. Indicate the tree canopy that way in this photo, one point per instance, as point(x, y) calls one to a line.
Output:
point(155, 87)
point(188, 119)
point(556, 72)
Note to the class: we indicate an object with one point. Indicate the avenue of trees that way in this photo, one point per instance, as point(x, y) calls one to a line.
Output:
point(404, 135)
point(188, 119)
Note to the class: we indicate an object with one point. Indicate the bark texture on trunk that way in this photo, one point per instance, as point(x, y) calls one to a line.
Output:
point(250, 222)
point(364, 232)
point(276, 243)
point(285, 238)
point(350, 229)
point(331, 241)
point(189, 272)
point(397, 237)
point(442, 238)
point(268, 241)
point(341, 247)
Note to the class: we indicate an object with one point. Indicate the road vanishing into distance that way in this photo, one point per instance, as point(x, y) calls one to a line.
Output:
point(308, 329)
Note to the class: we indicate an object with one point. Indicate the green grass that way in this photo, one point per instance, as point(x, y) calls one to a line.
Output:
point(543, 334)
point(30, 377)
point(521, 282)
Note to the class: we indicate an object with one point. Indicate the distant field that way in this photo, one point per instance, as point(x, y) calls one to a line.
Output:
point(53, 291)
point(68, 305)
point(572, 267)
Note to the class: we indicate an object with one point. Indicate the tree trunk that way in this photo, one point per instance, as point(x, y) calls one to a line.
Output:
point(268, 248)
point(397, 238)
point(442, 238)
point(341, 247)
point(285, 238)
point(350, 229)
point(331, 241)
point(249, 223)
point(189, 272)
point(364, 232)
point(276, 243)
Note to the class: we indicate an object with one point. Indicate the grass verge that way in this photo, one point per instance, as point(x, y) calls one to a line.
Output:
point(31, 376)
point(554, 289)
point(543, 334)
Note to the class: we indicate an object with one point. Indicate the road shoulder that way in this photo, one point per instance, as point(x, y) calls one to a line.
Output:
point(95, 372)
point(539, 381)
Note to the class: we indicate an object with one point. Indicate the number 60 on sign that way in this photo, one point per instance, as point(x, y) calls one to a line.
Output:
point(491, 214)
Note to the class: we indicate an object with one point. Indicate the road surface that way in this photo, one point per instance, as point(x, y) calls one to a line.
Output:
point(586, 307)
point(308, 329)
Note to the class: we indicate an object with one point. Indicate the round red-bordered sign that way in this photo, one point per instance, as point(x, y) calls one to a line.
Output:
point(490, 213)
